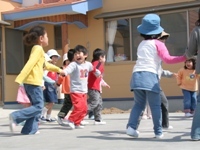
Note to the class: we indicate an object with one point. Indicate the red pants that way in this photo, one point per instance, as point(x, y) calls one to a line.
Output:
point(79, 101)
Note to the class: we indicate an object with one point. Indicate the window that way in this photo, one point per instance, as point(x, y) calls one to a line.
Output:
point(58, 37)
point(120, 47)
point(118, 40)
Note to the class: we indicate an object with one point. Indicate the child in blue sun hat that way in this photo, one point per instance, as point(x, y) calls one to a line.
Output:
point(145, 81)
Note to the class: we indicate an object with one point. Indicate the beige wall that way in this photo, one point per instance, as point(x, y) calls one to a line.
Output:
point(6, 5)
point(118, 74)
point(117, 5)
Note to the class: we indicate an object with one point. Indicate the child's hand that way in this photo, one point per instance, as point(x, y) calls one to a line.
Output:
point(108, 86)
point(43, 88)
point(175, 75)
point(62, 73)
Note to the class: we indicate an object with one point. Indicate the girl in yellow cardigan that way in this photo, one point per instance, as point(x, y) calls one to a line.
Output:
point(31, 76)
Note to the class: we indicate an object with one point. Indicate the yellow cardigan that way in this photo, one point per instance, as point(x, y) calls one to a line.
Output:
point(32, 73)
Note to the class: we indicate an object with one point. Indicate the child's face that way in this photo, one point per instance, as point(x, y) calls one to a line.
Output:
point(189, 64)
point(44, 40)
point(54, 59)
point(102, 59)
point(79, 57)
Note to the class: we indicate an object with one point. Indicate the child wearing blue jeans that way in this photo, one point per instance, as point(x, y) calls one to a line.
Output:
point(145, 81)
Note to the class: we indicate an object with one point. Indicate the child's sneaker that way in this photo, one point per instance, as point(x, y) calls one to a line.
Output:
point(79, 127)
point(168, 128)
point(144, 117)
point(99, 122)
point(59, 120)
point(42, 120)
point(188, 115)
point(83, 123)
point(132, 132)
point(50, 120)
point(12, 123)
point(71, 124)
point(159, 136)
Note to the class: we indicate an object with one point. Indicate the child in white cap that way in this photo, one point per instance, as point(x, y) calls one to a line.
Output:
point(50, 93)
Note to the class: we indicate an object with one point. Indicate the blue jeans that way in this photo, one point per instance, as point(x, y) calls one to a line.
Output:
point(154, 99)
point(189, 100)
point(32, 113)
point(195, 129)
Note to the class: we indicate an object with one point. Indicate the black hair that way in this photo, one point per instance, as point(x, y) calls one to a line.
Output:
point(197, 23)
point(80, 48)
point(193, 62)
point(33, 35)
point(149, 37)
point(97, 53)
point(70, 55)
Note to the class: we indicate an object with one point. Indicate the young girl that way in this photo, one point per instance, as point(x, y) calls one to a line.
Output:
point(50, 92)
point(187, 80)
point(145, 82)
point(31, 76)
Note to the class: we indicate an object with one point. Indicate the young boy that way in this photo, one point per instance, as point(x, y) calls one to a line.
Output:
point(78, 71)
point(94, 85)
point(65, 81)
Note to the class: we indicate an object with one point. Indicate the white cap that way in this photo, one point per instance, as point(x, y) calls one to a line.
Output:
point(47, 58)
point(65, 57)
point(52, 52)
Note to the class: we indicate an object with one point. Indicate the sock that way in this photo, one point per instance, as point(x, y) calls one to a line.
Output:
point(48, 116)
point(44, 111)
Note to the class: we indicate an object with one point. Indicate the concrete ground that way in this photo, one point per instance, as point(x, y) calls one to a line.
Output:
point(98, 137)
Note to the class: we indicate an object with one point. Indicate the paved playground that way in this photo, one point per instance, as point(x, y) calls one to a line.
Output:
point(99, 137)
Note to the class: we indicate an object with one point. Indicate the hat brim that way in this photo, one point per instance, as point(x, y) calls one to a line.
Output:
point(145, 31)
point(164, 34)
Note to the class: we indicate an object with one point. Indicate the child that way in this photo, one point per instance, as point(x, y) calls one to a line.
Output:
point(95, 99)
point(78, 71)
point(145, 81)
point(187, 80)
point(65, 82)
point(31, 76)
point(50, 92)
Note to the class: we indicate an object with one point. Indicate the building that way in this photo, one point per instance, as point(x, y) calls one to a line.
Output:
point(107, 24)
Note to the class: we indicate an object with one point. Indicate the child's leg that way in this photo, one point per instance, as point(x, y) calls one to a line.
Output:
point(193, 101)
point(155, 105)
point(67, 105)
point(97, 99)
point(93, 100)
point(139, 106)
point(49, 106)
point(79, 111)
point(144, 116)
point(164, 108)
point(186, 100)
point(148, 111)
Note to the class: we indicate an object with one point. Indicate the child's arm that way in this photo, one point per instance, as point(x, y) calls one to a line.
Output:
point(60, 80)
point(168, 74)
point(163, 53)
point(70, 68)
point(103, 83)
point(48, 79)
point(94, 70)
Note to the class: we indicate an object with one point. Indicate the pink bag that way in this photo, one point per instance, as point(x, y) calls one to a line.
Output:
point(22, 96)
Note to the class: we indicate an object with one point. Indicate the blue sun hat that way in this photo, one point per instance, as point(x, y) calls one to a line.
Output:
point(150, 25)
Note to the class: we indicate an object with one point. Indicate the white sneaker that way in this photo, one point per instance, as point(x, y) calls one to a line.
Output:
point(59, 120)
point(188, 115)
point(83, 123)
point(144, 117)
point(12, 123)
point(65, 122)
point(71, 124)
point(132, 132)
point(99, 122)
point(79, 127)
point(159, 136)
point(168, 128)
point(38, 132)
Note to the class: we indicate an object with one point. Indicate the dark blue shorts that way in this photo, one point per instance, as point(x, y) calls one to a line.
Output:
point(50, 94)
